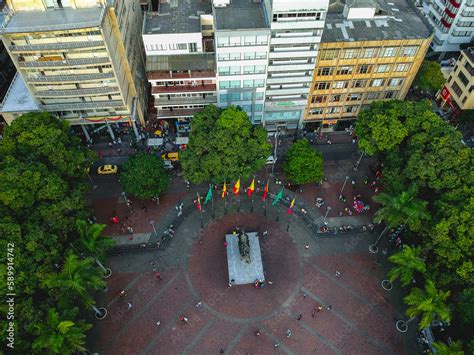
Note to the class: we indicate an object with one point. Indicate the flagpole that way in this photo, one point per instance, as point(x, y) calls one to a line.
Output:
point(212, 202)
point(200, 216)
point(265, 207)
point(238, 197)
point(251, 208)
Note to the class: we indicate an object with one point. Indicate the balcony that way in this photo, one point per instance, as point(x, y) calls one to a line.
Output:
point(56, 46)
point(181, 76)
point(64, 63)
point(293, 54)
point(288, 91)
point(69, 78)
point(186, 112)
point(104, 90)
point(183, 88)
point(295, 40)
point(164, 101)
point(83, 105)
point(287, 67)
point(290, 79)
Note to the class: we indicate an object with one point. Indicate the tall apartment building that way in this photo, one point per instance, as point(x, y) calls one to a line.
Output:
point(296, 30)
point(370, 51)
point(458, 92)
point(242, 35)
point(453, 21)
point(180, 66)
point(82, 60)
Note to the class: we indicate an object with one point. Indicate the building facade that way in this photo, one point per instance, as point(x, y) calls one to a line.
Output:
point(458, 92)
point(453, 21)
point(79, 60)
point(366, 54)
point(296, 30)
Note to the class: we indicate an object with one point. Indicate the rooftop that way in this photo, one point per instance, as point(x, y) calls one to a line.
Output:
point(177, 16)
point(18, 98)
point(240, 15)
point(53, 20)
point(197, 61)
point(394, 19)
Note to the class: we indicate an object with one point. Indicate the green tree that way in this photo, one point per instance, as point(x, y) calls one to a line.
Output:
point(443, 349)
point(60, 335)
point(407, 262)
point(303, 164)
point(404, 208)
point(429, 77)
point(93, 242)
point(429, 303)
point(465, 308)
point(223, 144)
point(77, 279)
point(144, 176)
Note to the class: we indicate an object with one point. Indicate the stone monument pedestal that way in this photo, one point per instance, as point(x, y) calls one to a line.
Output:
point(241, 272)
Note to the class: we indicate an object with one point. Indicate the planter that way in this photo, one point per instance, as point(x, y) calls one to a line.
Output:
point(387, 285)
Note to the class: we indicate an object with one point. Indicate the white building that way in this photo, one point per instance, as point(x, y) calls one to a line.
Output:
point(296, 29)
point(453, 21)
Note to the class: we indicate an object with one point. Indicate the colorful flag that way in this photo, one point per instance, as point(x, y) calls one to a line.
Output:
point(236, 187)
point(265, 192)
point(224, 190)
point(290, 210)
point(209, 195)
point(251, 188)
point(198, 202)
point(277, 198)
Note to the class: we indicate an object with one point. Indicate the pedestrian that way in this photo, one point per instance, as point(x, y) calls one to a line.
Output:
point(122, 293)
point(270, 282)
point(265, 233)
point(319, 308)
point(158, 275)
point(225, 244)
point(329, 307)
point(276, 345)
point(123, 227)
point(130, 230)
point(304, 294)
point(199, 304)
point(353, 182)
point(306, 246)
point(338, 273)
point(301, 191)
point(257, 332)
point(229, 285)
point(299, 317)
point(129, 305)
point(288, 333)
point(144, 208)
point(183, 319)
point(353, 141)
point(314, 312)
point(158, 323)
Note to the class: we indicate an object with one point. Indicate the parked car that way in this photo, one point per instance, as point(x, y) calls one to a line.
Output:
point(468, 142)
point(271, 160)
point(168, 165)
point(107, 169)
point(173, 156)
point(441, 114)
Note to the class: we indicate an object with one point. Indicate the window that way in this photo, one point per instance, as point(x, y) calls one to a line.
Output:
point(250, 40)
point(457, 89)
point(403, 67)
point(344, 70)
point(318, 99)
point(469, 68)
point(262, 40)
point(222, 41)
point(390, 95)
point(223, 97)
point(395, 82)
point(372, 95)
point(322, 85)
point(182, 46)
point(325, 71)
point(254, 69)
point(354, 97)
point(350, 109)
point(247, 96)
point(377, 82)
point(316, 111)
point(331, 110)
point(206, 27)
point(343, 84)
point(389, 52)
point(336, 98)
point(258, 107)
point(224, 84)
point(253, 83)
point(350, 53)
point(383, 68)
point(234, 41)
point(369, 53)
point(409, 51)
point(224, 71)
point(364, 69)
point(329, 54)
point(463, 78)
point(359, 83)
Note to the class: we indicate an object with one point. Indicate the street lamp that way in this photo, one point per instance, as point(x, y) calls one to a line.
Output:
point(356, 167)
point(373, 248)
point(275, 151)
point(152, 222)
point(344, 185)
point(100, 313)
point(326, 215)
point(94, 186)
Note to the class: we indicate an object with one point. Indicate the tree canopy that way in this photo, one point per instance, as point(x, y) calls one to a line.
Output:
point(303, 164)
point(429, 77)
point(144, 176)
point(223, 145)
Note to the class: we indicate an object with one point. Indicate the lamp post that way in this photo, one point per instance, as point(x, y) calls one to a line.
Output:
point(356, 167)
point(326, 215)
point(373, 248)
point(275, 151)
point(94, 186)
point(344, 185)
point(152, 222)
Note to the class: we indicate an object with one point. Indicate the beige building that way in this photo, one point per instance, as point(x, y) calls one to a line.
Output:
point(82, 60)
point(368, 52)
point(458, 92)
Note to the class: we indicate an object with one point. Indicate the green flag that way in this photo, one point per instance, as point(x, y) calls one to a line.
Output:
point(277, 198)
point(209, 195)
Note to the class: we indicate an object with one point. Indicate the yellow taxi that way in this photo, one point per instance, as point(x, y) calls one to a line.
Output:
point(173, 156)
point(107, 169)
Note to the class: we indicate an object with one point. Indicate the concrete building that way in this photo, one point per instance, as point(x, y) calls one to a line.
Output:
point(453, 21)
point(458, 92)
point(242, 34)
point(371, 50)
point(179, 46)
point(296, 30)
point(78, 59)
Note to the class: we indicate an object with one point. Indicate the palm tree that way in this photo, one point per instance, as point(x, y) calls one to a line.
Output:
point(77, 279)
point(398, 210)
point(428, 303)
point(443, 349)
point(408, 261)
point(94, 243)
point(61, 335)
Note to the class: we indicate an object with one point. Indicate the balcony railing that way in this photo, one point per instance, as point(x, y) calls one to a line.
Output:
point(187, 75)
point(163, 101)
point(183, 88)
point(83, 105)
point(56, 46)
point(105, 90)
point(69, 78)
point(179, 112)
point(64, 63)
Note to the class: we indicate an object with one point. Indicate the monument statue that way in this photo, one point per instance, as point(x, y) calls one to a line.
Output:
point(244, 247)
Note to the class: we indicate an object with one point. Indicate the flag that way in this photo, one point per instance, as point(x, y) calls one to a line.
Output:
point(277, 198)
point(290, 210)
point(265, 192)
point(224, 190)
point(198, 202)
point(209, 195)
point(251, 188)
point(236, 187)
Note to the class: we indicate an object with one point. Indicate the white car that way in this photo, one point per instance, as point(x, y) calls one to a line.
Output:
point(271, 160)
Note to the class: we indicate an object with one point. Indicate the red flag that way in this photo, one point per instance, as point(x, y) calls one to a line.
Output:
point(265, 192)
point(236, 187)
point(251, 188)
point(198, 202)
point(290, 210)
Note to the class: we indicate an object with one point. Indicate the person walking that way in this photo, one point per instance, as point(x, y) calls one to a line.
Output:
point(158, 275)
point(183, 319)
point(288, 333)
point(299, 317)
point(129, 306)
